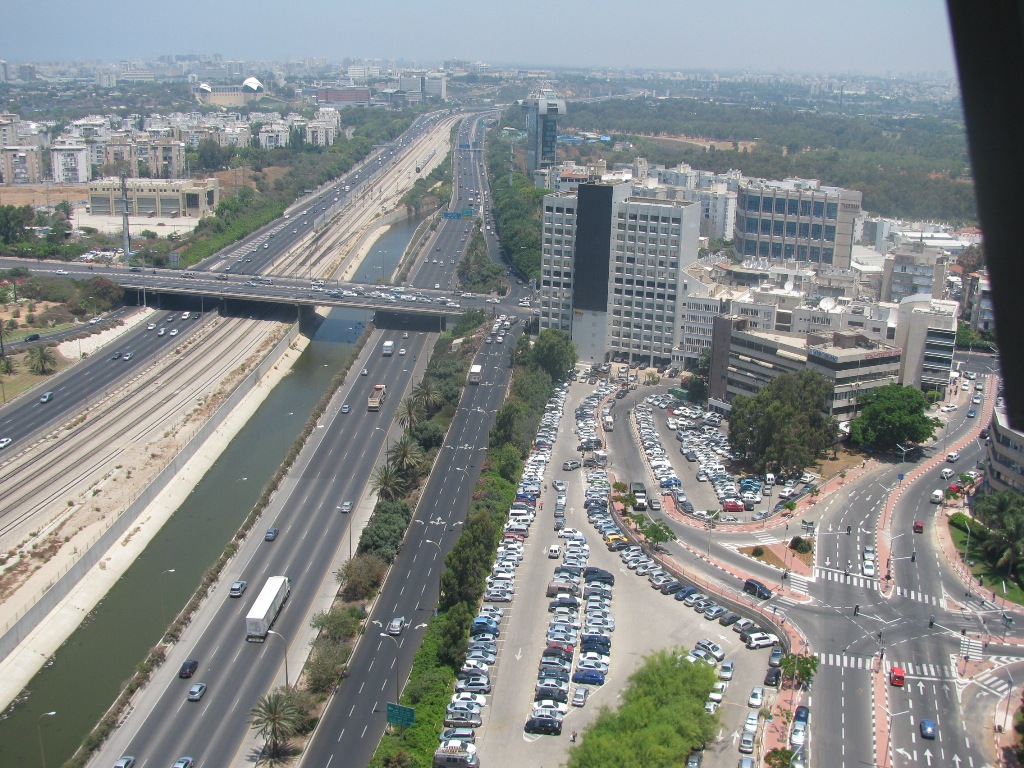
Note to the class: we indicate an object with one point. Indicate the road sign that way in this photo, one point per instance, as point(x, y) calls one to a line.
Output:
point(467, 212)
point(463, 146)
point(399, 715)
point(901, 477)
point(452, 215)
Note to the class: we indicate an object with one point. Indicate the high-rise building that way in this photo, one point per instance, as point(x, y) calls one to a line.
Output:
point(21, 165)
point(542, 111)
point(926, 332)
point(612, 271)
point(796, 220)
point(912, 269)
point(70, 164)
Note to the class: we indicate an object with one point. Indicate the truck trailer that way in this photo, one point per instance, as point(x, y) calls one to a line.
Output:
point(263, 612)
point(379, 394)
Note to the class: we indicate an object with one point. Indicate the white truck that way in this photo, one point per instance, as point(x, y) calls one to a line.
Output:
point(263, 612)
point(388, 349)
point(476, 374)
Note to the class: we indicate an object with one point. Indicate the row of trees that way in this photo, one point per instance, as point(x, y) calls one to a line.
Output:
point(477, 273)
point(517, 208)
point(466, 567)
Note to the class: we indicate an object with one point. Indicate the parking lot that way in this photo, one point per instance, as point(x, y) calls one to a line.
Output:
point(645, 620)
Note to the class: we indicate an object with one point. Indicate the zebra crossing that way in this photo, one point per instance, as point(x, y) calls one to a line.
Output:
point(848, 661)
point(766, 538)
point(797, 583)
point(970, 647)
point(923, 671)
point(919, 597)
point(992, 683)
point(853, 579)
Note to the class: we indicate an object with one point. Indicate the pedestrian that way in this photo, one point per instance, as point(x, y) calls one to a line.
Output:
point(574, 737)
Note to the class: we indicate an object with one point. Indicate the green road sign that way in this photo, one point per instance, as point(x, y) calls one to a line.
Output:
point(467, 212)
point(399, 715)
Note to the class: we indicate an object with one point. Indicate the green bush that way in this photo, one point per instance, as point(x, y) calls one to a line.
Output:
point(758, 551)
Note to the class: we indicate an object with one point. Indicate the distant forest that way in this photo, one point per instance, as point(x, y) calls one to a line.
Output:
point(913, 167)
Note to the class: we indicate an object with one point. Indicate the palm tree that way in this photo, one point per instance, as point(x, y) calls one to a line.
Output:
point(7, 366)
point(1003, 513)
point(387, 482)
point(427, 395)
point(277, 719)
point(41, 359)
point(409, 413)
point(406, 455)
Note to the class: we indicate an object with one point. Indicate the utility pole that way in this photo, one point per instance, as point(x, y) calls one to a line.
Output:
point(126, 240)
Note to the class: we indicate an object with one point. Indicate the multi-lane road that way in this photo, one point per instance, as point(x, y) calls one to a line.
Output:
point(334, 467)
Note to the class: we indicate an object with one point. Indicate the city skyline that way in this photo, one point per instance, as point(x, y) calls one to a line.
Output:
point(876, 38)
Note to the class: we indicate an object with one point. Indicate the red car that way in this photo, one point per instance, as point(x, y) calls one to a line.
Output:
point(732, 505)
point(561, 647)
point(955, 488)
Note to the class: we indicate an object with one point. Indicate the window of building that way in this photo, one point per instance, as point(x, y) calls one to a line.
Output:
point(805, 207)
point(832, 211)
point(753, 202)
point(815, 231)
point(830, 233)
point(819, 209)
point(777, 227)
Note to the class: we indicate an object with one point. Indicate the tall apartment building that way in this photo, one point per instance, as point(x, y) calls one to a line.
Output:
point(926, 332)
point(912, 269)
point(1004, 454)
point(977, 302)
point(542, 111)
point(796, 220)
point(70, 164)
point(613, 272)
point(21, 165)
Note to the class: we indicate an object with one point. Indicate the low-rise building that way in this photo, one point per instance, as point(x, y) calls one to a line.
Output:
point(155, 197)
point(21, 165)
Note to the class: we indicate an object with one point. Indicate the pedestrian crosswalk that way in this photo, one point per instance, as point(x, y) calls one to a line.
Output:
point(992, 683)
point(851, 579)
point(923, 671)
point(766, 538)
point(970, 647)
point(797, 583)
point(919, 597)
point(847, 660)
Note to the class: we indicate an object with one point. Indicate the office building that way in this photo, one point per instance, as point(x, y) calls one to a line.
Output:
point(21, 165)
point(744, 360)
point(613, 272)
point(542, 111)
point(977, 302)
point(155, 197)
point(796, 220)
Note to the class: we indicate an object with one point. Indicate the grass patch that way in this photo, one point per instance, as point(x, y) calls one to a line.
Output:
point(982, 566)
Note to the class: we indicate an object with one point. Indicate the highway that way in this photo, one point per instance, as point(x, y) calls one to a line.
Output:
point(164, 725)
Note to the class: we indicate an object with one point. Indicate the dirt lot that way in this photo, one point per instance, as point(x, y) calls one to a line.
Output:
point(41, 194)
point(237, 177)
point(697, 141)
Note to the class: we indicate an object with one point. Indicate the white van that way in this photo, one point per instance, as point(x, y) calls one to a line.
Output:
point(554, 551)
point(937, 497)
point(769, 479)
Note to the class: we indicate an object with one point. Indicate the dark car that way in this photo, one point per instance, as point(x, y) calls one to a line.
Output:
point(551, 694)
point(802, 714)
point(271, 534)
point(588, 677)
point(116, 356)
point(671, 588)
point(685, 592)
point(188, 668)
point(695, 760)
point(928, 729)
point(594, 645)
point(547, 726)
point(556, 653)
point(618, 546)
point(728, 619)
point(773, 677)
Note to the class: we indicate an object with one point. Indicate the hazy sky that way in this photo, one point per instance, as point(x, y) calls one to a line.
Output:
point(827, 36)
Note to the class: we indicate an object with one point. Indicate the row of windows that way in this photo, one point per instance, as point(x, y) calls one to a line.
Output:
point(650, 218)
point(782, 228)
point(789, 251)
point(790, 206)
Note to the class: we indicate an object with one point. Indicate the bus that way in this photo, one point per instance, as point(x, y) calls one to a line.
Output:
point(476, 374)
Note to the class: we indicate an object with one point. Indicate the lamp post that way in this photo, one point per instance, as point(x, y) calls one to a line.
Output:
point(39, 730)
point(163, 602)
point(1009, 690)
point(278, 634)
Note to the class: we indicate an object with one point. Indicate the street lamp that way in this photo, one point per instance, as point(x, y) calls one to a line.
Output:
point(39, 730)
point(272, 632)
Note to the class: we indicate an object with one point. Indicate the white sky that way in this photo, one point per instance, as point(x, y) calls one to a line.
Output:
point(821, 36)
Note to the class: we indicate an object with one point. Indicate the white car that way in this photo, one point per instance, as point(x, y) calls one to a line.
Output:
point(550, 708)
point(472, 698)
point(569, 533)
point(718, 692)
point(868, 568)
point(756, 698)
point(401, 352)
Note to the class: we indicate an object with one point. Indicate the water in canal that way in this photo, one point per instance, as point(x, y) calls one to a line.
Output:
point(89, 670)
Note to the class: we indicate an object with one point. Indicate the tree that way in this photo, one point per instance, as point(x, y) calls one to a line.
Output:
point(41, 360)
point(387, 482)
point(892, 415)
point(407, 456)
point(8, 367)
point(784, 426)
point(1003, 513)
point(427, 396)
point(971, 258)
point(800, 668)
point(360, 576)
point(554, 353)
point(277, 719)
point(655, 531)
point(408, 413)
